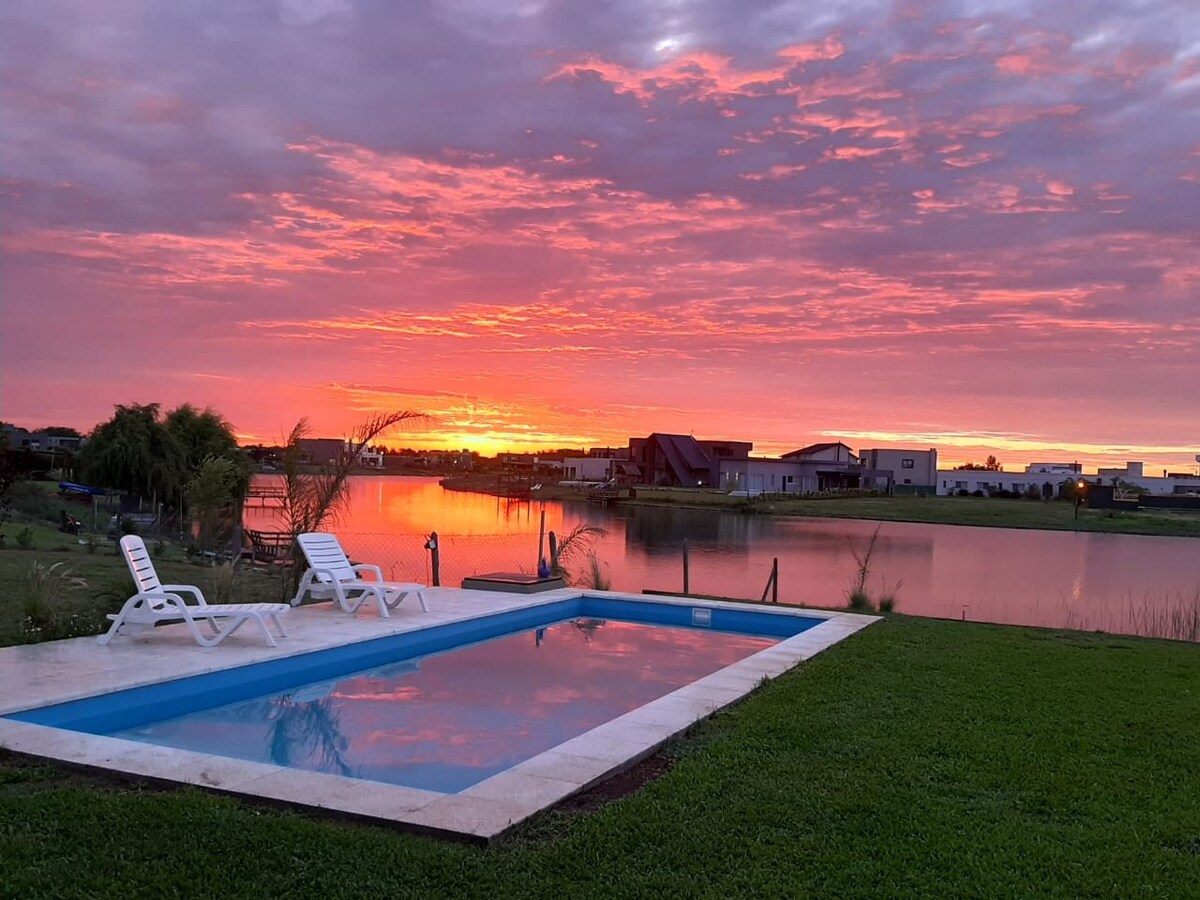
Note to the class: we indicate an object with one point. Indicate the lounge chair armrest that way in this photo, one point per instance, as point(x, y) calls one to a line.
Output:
point(363, 567)
point(184, 588)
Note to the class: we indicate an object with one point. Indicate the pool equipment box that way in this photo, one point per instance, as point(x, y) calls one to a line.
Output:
point(511, 583)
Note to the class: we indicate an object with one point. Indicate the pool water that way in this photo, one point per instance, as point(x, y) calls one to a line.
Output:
point(448, 720)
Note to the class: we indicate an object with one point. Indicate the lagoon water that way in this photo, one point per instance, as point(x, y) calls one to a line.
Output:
point(1124, 583)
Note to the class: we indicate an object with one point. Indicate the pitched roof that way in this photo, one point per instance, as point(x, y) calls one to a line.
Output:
point(816, 448)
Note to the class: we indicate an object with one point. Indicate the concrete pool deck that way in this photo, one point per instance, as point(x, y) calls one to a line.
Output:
point(38, 675)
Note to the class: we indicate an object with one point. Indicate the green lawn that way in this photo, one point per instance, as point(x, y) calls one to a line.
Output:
point(107, 583)
point(918, 758)
point(990, 511)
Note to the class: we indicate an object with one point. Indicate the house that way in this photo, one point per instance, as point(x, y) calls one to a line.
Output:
point(913, 471)
point(1134, 473)
point(992, 481)
point(680, 459)
point(800, 476)
point(829, 452)
point(24, 439)
point(321, 451)
point(587, 468)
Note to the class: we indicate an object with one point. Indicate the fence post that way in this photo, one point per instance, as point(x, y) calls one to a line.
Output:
point(775, 580)
point(541, 540)
point(435, 559)
point(685, 566)
point(553, 551)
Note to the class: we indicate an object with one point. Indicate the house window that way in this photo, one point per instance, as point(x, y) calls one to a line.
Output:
point(787, 479)
point(908, 481)
point(906, 463)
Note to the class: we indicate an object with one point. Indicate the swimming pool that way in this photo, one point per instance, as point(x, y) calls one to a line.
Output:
point(466, 725)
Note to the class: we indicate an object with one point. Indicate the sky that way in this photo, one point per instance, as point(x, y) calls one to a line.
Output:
point(967, 225)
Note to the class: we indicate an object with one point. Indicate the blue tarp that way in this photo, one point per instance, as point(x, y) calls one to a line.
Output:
point(72, 487)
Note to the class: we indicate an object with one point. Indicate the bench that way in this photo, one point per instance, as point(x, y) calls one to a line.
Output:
point(272, 548)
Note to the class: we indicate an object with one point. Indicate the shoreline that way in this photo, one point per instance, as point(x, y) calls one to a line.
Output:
point(985, 512)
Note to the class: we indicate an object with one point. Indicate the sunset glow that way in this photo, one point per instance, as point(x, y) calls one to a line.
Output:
point(562, 225)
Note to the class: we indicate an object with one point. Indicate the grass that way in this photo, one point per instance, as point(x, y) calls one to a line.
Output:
point(985, 511)
point(919, 758)
point(993, 512)
point(107, 579)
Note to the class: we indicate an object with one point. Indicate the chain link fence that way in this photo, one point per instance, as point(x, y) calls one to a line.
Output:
point(406, 557)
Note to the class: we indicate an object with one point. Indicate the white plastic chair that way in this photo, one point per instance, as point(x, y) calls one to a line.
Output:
point(332, 576)
point(156, 602)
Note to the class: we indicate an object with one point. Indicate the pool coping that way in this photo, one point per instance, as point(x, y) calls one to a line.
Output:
point(41, 674)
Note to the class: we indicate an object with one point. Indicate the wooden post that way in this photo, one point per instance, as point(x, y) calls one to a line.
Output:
point(435, 559)
point(541, 541)
point(772, 585)
point(553, 551)
point(685, 567)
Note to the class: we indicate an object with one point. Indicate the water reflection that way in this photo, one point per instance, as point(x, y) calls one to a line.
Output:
point(463, 715)
point(989, 574)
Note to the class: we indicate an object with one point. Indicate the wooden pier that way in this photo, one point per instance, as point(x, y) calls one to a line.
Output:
point(265, 495)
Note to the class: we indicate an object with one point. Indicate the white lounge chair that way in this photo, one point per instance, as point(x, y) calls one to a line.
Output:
point(157, 602)
point(332, 576)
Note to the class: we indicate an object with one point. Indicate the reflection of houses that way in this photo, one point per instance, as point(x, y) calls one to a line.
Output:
point(680, 459)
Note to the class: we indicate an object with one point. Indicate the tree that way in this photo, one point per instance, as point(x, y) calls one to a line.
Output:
point(133, 452)
point(311, 499)
point(992, 464)
point(136, 452)
point(212, 491)
point(207, 435)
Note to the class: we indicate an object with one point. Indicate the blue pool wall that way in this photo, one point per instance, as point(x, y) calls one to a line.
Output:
point(133, 707)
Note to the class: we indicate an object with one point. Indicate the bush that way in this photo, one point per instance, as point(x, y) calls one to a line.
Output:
point(41, 592)
point(860, 601)
point(25, 538)
point(975, 493)
point(128, 526)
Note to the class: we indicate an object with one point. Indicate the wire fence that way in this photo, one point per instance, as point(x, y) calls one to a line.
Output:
point(406, 557)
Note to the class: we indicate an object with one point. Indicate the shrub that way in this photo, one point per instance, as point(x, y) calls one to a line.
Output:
point(41, 591)
point(860, 600)
point(977, 493)
point(224, 582)
point(25, 538)
point(158, 548)
point(128, 526)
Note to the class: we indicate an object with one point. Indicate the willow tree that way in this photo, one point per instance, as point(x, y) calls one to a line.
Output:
point(134, 453)
point(205, 434)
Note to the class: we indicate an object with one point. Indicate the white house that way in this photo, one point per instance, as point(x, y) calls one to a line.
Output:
point(913, 471)
point(586, 468)
point(1134, 473)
